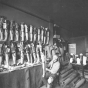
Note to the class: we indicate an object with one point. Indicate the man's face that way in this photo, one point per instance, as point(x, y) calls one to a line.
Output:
point(55, 58)
point(53, 52)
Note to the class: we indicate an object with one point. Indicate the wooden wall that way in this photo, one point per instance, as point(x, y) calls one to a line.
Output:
point(81, 44)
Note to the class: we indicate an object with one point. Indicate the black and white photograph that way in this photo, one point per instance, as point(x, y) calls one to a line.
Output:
point(43, 43)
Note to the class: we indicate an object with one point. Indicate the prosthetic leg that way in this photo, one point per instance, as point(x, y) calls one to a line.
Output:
point(0, 60)
point(7, 56)
point(22, 57)
point(37, 52)
point(12, 24)
point(14, 58)
point(21, 53)
point(16, 32)
point(34, 55)
point(26, 32)
point(27, 48)
point(1, 28)
point(1, 54)
point(5, 24)
point(22, 32)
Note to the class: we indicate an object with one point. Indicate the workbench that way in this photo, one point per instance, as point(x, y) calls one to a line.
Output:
point(27, 77)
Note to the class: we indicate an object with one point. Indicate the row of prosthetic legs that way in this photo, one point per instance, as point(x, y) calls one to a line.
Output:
point(20, 53)
point(12, 31)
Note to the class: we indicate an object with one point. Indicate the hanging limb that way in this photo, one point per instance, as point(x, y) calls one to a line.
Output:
point(1, 53)
point(16, 34)
point(21, 52)
point(14, 57)
point(28, 58)
point(5, 30)
point(0, 60)
point(48, 52)
point(1, 35)
point(26, 32)
point(6, 35)
point(12, 25)
point(28, 52)
point(22, 32)
point(31, 58)
point(7, 51)
point(1, 26)
point(34, 54)
point(43, 63)
point(22, 57)
point(37, 52)
point(27, 49)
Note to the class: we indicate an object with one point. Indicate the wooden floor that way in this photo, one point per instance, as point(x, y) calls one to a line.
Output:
point(83, 86)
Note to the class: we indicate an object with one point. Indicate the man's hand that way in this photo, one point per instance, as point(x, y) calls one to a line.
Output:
point(47, 69)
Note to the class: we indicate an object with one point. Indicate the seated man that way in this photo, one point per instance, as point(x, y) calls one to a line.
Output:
point(52, 70)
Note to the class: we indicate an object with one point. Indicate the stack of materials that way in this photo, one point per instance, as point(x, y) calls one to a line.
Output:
point(67, 75)
point(69, 78)
point(76, 83)
point(86, 75)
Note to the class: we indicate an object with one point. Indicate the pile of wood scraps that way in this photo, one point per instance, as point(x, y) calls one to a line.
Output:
point(69, 78)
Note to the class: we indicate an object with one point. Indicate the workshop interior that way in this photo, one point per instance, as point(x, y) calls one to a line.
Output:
point(43, 43)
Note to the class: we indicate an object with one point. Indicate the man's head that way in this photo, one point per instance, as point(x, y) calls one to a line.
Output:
point(53, 52)
point(55, 58)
